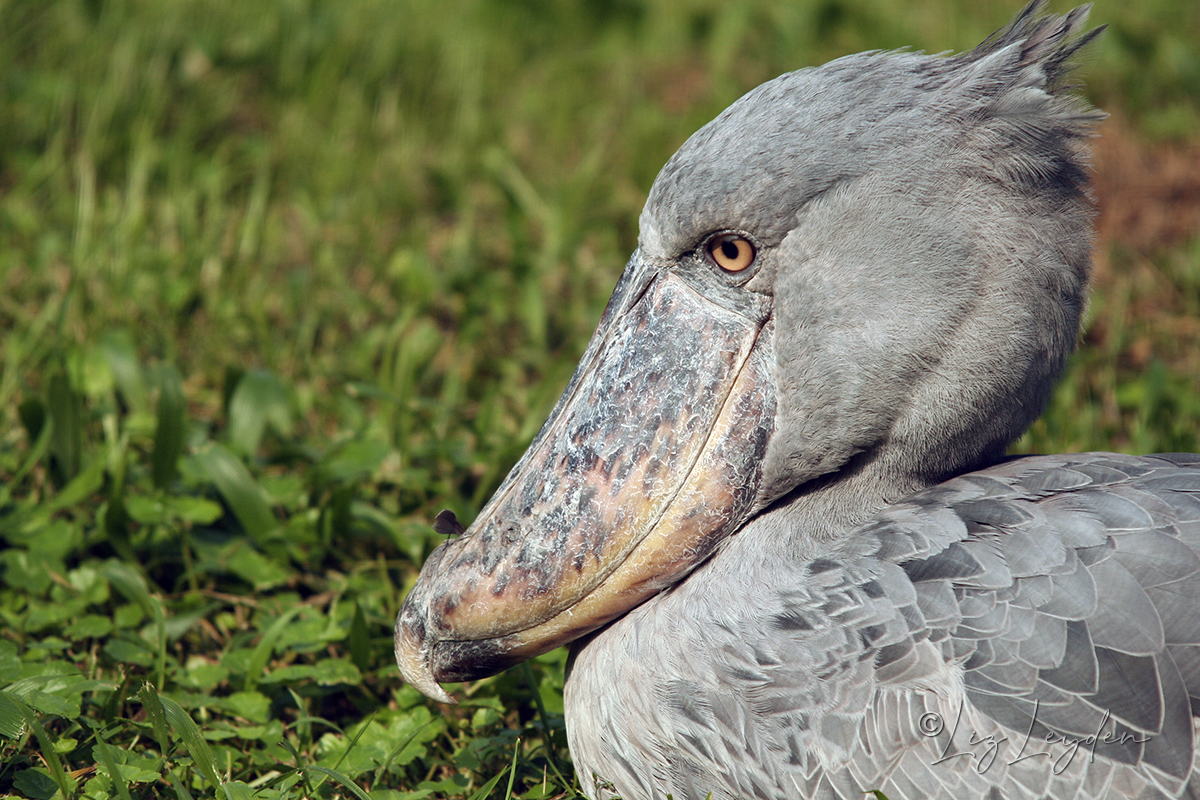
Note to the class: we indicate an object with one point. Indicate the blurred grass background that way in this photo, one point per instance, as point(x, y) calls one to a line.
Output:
point(279, 281)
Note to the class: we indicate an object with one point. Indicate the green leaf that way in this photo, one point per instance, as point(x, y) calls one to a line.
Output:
point(39, 692)
point(121, 355)
point(335, 671)
point(131, 584)
point(170, 432)
point(12, 717)
point(116, 525)
point(407, 736)
point(124, 651)
point(455, 784)
point(65, 414)
point(62, 780)
point(253, 706)
point(243, 495)
point(104, 752)
point(342, 779)
point(185, 728)
point(35, 784)
point(196, 510)
point(262, 651)
point(237, 790)
point(89, 626)
point(204, 676)
point(258, 569)
point(486, 789)
point(158, 718)
point(164, 509)
point(147, 509)
point(180, 623)
point(10, 662)
point(49, 538)
point(326, 672)
point(128, 615)
point(33, 417)
point(83, 485)
point(98, 787)
point(25, 572)
point(259, 400)
point(354, 461)
point(359, 640)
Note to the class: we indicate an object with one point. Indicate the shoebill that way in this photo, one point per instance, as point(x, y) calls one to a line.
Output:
point(772, 514)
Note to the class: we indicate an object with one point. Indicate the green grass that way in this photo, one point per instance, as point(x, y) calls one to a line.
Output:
point(278, 283)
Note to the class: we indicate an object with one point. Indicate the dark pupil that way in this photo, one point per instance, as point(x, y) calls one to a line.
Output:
point(729, 250)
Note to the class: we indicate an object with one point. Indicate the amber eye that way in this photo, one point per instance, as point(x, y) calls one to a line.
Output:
point(731, 252)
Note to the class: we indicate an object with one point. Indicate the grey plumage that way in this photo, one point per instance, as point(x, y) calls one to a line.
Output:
point(980, 601)
point(773, 498)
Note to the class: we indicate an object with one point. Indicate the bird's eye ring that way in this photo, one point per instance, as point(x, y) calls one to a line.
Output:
point(731, 252)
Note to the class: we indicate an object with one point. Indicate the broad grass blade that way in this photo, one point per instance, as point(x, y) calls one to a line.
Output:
point(12, 717)
point(185, 728)
point(240, 491)
point(259, 400)
point(64, 407)
point(131, 584)
point(169, 433)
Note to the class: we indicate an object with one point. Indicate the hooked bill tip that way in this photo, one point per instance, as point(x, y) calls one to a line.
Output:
point(415, 669)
